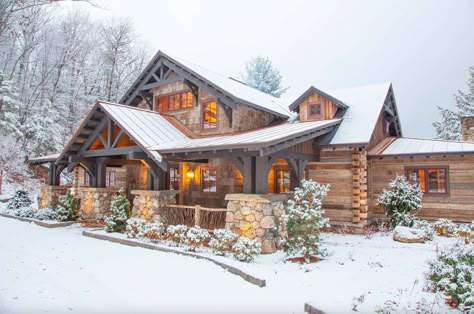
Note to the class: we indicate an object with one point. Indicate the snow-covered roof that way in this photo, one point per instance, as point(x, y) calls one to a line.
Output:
point(414, 146)
point(240, 90)
point(364, 106)
point(43, 159)
point(256, 138)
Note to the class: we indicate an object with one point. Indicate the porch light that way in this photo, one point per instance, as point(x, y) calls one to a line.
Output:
point(190, 174)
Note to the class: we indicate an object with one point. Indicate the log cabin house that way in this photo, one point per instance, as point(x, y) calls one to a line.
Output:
point(183, 135)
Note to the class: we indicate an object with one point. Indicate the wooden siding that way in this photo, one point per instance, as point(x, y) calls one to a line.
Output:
point(328, 109)
point(380, 132)
point(457, 205)
point(304, 148)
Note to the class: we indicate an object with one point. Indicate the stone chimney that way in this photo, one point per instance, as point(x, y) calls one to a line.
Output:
point(467, 128)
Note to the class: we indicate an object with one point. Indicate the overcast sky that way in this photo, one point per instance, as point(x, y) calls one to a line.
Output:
point(423, 47)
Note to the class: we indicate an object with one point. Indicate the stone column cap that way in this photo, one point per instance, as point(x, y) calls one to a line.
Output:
point(258, 198)
point(154, 193)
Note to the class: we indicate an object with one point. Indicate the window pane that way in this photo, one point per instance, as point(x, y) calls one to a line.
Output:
point(437, 180)
point(174, 178)
point(209, 180)
point(417, 176)
point(282, 181)
point(209, 115)
point(315, 109)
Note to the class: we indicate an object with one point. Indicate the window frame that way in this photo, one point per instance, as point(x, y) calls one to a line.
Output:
point(87, 179)
point(275, 180)
point(175, 178)
point(202, 116)
point(172, 95)
point(110, 178)
point(315, 115)
point(202, 179)
point(426, 168)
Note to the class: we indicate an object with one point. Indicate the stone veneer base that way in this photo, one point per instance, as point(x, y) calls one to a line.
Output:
point(231, 269)
point(148, 204)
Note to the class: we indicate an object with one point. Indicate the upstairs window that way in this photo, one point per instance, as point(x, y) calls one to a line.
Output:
point(174, 101)
point(430, 179)
point(209, 115)
point(208, 180)
point(315, 110)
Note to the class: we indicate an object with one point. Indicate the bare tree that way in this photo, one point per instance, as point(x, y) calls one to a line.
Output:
point(12, 162)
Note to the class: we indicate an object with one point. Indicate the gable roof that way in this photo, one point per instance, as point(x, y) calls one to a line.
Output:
point(294, 106)
point(233, 89)
point(146, 128)
point(364, 106)
point(421, 146)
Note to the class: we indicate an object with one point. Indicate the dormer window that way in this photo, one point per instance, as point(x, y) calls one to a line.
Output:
point(314, 110)
point(176, 101)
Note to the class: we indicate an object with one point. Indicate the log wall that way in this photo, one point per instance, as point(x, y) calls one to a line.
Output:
point(457, 205)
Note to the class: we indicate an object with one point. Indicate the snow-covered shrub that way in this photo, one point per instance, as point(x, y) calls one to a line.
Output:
point(444, 227)
point(195, 237)
point(400, 201)
point(305, 220)
point(246, 250)
point(453, 274)
point(20, 199)
point(154, 231)
point(68, 208)
point(25, 212)
point(46, 214)
point(177, 233)
point(119, 213)
point(30, 212)
point(222, 241)
point(134, 227)
point(426, 227)
point(466, 232)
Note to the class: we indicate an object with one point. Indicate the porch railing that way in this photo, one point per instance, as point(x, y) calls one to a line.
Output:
point(204, 217)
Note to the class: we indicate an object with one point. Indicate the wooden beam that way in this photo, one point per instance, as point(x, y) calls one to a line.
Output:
point(117, 139)
point(248, 174)
point(101, 166)
point(94, 135)
point(110, 152)
point(110, 133)
point(159, 83)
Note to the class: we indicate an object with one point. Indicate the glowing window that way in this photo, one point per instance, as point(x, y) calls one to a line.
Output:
point(430, 180)
point(209, 115)
point(208, 180)
point(174, 101)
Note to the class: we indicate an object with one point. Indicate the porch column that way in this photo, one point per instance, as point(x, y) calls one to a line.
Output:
point(262, 166)
point(54, 173)
point(101, 166)
point(296, 170)
point(249, 174)
point(156, 177)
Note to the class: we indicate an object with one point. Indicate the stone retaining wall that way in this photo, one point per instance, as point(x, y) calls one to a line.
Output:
point(95, 202)
point(147, 204)
point(257, 217)
point(49, 195)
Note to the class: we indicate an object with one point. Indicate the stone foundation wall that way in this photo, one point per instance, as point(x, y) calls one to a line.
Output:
point(257, 217)
point(147, 204)
point(95, 202)
point(49, 195)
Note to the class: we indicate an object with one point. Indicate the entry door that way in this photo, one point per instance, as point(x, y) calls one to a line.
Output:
point(282, 180)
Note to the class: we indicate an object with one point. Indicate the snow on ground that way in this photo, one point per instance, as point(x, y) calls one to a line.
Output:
point(59, 270)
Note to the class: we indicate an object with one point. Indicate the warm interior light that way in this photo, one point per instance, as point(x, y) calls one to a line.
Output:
point(190, 174)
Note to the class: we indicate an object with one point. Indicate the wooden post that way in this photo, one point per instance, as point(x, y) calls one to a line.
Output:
point(197, 215)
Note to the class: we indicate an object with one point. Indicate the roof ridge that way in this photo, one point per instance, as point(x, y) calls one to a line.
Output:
point(434, 139)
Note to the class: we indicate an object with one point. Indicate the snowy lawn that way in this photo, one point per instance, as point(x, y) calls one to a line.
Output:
point(59, 270)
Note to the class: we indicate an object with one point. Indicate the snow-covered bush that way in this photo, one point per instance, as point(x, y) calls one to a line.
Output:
point(46, 214)
point(444, 227)
point(19, 200)
point(154, 231)
point(426, 227)
point(466, 232)
point(222, 241)
point(195, 237)
point(134, 227)
point(453, 274)
point(25, 212)
point(400, 201)
point(119, 213)
point(68, 208)
point(177, 233)
point(246, 250)
point(30, 212)
point(305, 220)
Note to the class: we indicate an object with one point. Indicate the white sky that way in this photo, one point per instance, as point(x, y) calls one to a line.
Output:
point(423, 47)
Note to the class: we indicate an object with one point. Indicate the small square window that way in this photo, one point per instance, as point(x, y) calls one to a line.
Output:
point(314, 110)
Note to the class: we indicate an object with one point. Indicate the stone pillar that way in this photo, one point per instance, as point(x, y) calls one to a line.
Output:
point(95, 202)
point(49, 195)
point(467, 128)
point(148, 204)
point(257, 217)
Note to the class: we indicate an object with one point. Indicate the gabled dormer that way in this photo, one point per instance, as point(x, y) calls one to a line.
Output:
point(200, 100)
point(315, 104)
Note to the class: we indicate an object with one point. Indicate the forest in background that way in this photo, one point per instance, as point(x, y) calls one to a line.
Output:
point(55, 62)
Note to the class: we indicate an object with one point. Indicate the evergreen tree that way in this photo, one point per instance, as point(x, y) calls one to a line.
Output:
point(400, 201)
point(19, 200)
point(120, 211)
point(260, 74)
point(68, 209)
point(305, 220)
point(9, 109)
point(449, 128)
